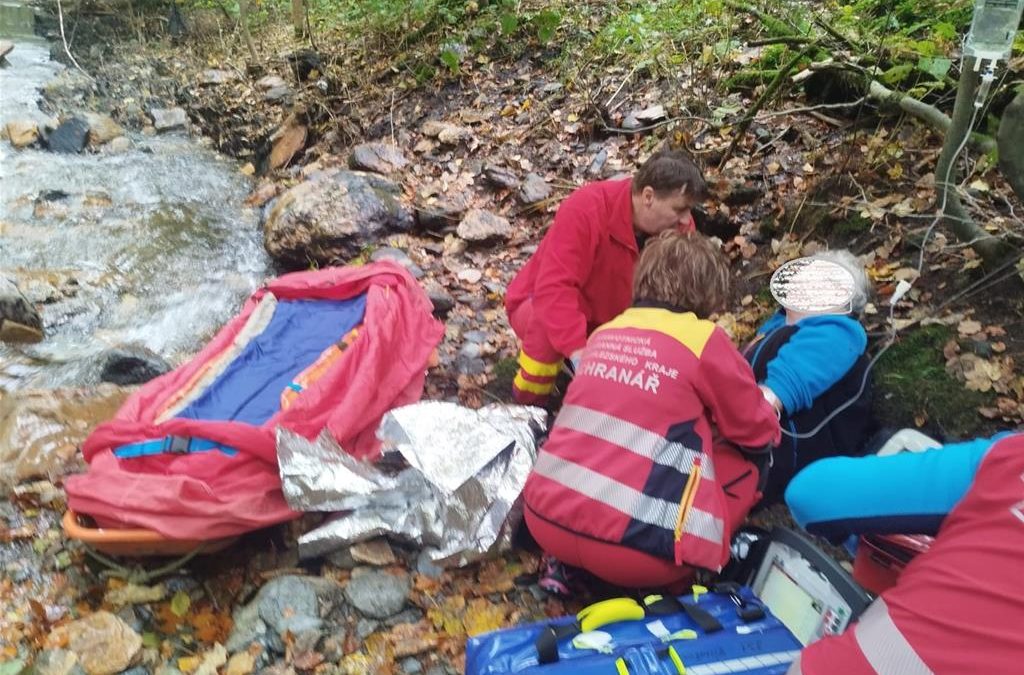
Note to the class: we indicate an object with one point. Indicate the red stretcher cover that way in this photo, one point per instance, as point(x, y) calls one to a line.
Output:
point(333, 348)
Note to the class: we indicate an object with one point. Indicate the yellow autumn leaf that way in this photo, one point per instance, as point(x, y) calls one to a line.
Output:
point(483, 616)
point(188, 664)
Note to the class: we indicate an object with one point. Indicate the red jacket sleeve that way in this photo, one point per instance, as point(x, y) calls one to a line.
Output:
point(564, 269)
point(726, 385)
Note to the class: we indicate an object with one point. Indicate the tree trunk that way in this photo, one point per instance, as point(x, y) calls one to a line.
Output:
point(947, 177)
point(299, 17)
point(1011, 145)
point(243, 19)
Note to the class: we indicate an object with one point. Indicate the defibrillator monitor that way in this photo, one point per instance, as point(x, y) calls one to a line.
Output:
point(812, 595)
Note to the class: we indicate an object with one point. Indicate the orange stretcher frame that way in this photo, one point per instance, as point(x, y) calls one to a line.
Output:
point(137, 542)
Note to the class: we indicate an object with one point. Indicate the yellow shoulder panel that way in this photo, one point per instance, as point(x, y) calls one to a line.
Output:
point(687, 329)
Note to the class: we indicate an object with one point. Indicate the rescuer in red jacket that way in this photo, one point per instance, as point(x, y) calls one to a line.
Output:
point(580, 276)
point(637, 482)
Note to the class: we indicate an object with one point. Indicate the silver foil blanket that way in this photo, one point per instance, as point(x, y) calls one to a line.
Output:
point(457, 497)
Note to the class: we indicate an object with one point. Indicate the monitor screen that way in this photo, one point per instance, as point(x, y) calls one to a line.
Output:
point(794, 606)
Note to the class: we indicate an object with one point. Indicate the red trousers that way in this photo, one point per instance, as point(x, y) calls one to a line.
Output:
point(539, 362)
point(630, 568)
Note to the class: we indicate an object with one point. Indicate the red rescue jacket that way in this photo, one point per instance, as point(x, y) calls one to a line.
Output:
point(630, 457)
point(957, 608)
point(582, 274)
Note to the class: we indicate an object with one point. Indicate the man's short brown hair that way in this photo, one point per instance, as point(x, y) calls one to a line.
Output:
point(670, 171)
point(685, 270)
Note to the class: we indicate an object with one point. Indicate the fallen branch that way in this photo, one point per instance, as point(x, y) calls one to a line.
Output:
point(793, 40)
point(767, 95)
point(67, 49)
point(928, 114)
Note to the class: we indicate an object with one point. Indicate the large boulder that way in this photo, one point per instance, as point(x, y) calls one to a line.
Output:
point(40, 430)
point(70, 137)
point(19, 319)
point(22, 133)
point(332, 217)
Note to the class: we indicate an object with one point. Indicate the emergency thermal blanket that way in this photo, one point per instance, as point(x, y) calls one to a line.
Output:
point(192, 453)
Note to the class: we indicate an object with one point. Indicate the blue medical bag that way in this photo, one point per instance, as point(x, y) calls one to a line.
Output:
point(729, 631)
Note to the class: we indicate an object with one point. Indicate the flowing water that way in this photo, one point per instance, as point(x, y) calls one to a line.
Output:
point(151, 247)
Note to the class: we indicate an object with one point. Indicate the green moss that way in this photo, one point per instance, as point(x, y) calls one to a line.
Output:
point(504, 371)
point(852, 226)
point(911, 382)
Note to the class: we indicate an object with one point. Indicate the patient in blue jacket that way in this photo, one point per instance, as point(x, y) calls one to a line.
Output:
point(810, 360)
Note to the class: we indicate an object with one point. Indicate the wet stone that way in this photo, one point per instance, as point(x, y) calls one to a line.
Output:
point(378, 594)
point(479, 225)
point(411, 666)
point(70, 137)
point(379, 157)
point(131, 364)
point(286, 599)
point(534, 189)
point(366, 627)
point(56, 662)
point(410, 615)
point(501, 177)
point(103, 643)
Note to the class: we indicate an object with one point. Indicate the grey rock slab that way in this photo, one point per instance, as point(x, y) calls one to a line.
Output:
point(333, 216)
point(378, 594)
point(366, 627)
point(411, 666)
point(56, 662)
point(248, 628)
point(479, 225)
point(501, 177)
point(277, 94)
point(167, 119)
point(534, 189)
point(378, 157)
point(131, 364)
point(271, 81)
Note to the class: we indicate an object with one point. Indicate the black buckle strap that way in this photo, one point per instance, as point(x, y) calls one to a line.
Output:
point(547, 641)
point(177, 445)
point(668, 604)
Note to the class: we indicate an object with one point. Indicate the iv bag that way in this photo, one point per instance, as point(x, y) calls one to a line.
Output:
point(993, 29)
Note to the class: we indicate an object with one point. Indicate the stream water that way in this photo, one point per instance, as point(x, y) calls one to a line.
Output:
point(152, 246)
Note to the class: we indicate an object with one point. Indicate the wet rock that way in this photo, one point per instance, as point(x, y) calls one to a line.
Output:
point(410, 615)
point(445, 132)
point(19, 319)
point(277, 94)
point(441, 299)
point(216, 76)
point(22, 133)
point(286, 598)
point(378, 594)
point(119, 145)
point(479, 225)
point(375, 552)
point(6, 47)
point(597, 164)
point(103, 643)
point(68, 138)
point(271, 82)
point(167, 119)
point(56, 662)
point(426, 567)
point(40, 430)
point(332, 216)
point(102, 129)
point(501, 177)
point(389, 253)
point(411, 666)
point(534, 189)
point(377, 157)
point(131, 364)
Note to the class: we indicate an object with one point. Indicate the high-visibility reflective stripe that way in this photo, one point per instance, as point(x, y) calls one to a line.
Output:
point(598, 487)
point(522, 384)
point(538, 368)
point(637, 440)
point(624, 499)
point(884, 646)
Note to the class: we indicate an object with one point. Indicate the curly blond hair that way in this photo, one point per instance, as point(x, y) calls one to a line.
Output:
point(685, 270)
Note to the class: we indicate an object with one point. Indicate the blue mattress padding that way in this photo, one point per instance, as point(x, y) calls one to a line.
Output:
point(249, 389)
point(762, 647)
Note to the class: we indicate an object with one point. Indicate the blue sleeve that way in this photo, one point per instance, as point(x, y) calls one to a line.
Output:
point(818, 355)
point(774, 321)
point(905, 493)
